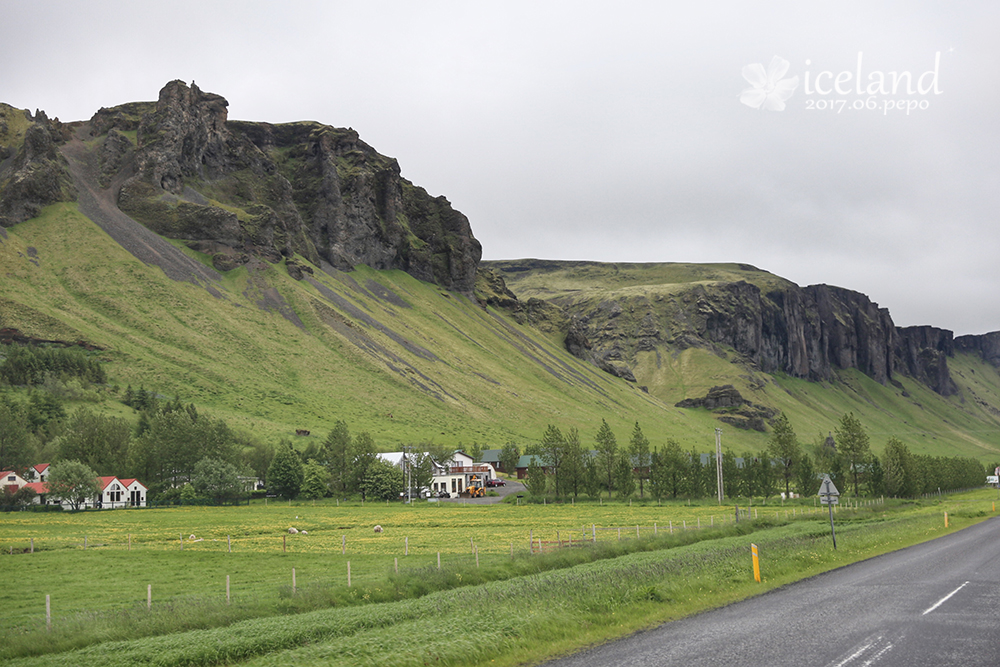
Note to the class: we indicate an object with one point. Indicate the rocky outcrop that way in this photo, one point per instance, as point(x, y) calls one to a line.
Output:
point(276, 191)
point(986, 346)
point(805, 332)
point(32, 173)
point(732, 408)
point(922, 353)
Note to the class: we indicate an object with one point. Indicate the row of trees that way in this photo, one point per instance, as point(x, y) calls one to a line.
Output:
point(563, 467)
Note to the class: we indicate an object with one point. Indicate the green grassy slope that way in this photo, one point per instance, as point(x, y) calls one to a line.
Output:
point(402, 359)
point(410, 362)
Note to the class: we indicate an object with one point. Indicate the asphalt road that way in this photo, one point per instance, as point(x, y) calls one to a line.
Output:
point(934, 604)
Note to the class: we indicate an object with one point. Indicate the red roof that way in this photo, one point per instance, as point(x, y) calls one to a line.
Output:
point(39, 487)
point(129, 482)
point(105, 482)
point(40, 467)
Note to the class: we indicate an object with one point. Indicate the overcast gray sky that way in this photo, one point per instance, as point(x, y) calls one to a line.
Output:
point(609, 131)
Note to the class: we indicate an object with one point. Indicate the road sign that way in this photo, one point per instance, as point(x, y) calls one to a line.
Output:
point(828, 493)
point(993, 479)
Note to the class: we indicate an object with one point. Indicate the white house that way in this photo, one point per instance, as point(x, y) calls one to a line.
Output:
point(135, 492)
point(452, 476)
point(10, 481)
point(38, 472)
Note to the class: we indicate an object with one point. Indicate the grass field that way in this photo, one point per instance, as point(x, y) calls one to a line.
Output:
point(98, 595)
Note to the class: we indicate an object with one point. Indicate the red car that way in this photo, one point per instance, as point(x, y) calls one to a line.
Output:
point(496, 481)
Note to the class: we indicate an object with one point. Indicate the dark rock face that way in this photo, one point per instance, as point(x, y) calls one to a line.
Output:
point(35, 175)
point(922, 353)
point(277, 190)
point(736, 410)
point(986, 346)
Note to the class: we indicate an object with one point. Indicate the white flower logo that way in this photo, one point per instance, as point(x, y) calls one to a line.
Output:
point(769, 90)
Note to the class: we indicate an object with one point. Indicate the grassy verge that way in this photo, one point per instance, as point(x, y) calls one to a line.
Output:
point(525, 617)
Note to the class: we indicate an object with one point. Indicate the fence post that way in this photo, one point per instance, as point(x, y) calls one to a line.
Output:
point(593, 527)
point(395, 565)
point(637, 531)
point(531, 539)
point(671, 527)
point(343, 545)
point(654, 529)
point(48, 614)
point(284, 543)
point(229, 543)
point(32, 545)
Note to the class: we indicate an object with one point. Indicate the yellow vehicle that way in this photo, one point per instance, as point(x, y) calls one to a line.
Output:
point(475, 488)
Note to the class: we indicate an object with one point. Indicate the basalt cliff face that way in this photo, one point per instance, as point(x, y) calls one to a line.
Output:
point(242, 190)
point(773, 325)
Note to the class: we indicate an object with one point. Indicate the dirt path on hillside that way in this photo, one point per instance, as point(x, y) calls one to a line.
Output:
point(100, 206)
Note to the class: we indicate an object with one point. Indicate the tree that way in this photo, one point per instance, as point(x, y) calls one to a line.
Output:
point(785, 449)
point(73, 482)
point(383, 481)
point(806, 480)
point(314, 480)
point(898, 468)
point(591, 477)
point(421, 470)
point(732, 475)
point(767, 481)
point(607, 453)
point(217, 479)
point(624, 475)
point(363, 455)
point(875, 476)
point(15, 441)
point(639, 450)
point(553, 450)
point(508, 458)
point(694, 477)
point(573, 467)
point(536, 478)
point(257, 458)
point(853, 444)
point(337, 457)
point(476, 452)
point(667, 470)
point(100, 442)
point(285, 475)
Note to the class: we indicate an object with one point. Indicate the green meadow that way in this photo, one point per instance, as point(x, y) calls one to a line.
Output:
point(651, 563)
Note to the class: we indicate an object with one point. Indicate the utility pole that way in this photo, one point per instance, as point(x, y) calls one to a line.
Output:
point(406, 459)
point(718, 461)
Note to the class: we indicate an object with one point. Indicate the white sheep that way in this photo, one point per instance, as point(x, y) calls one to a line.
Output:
point(293, 531)
point(378, 529)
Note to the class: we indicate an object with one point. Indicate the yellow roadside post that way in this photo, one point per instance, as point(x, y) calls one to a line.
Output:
point(756, 562)
point(945, 519)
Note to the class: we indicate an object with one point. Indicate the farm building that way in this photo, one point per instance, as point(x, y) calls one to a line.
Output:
point(451, 476)
point(114, 492)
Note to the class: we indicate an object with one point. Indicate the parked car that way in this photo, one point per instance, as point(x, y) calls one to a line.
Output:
point(496, 481)
point(443, 494)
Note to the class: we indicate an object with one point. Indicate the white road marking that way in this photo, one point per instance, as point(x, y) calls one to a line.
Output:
point(944, 599)
point(857, 653)
point(878, 656)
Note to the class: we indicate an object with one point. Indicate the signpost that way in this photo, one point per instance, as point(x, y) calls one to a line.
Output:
point(829, 496)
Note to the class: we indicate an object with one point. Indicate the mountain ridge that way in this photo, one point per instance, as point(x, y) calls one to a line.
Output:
point(302, 278)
